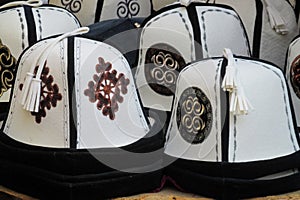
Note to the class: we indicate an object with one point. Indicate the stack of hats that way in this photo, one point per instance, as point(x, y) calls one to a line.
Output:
point(103, 99)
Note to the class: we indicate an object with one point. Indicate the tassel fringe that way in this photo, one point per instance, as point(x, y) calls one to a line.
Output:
point(34, 94)
point(26, 86)
point(239, 103)
point(31, 92)
point(276, 21)
point(229, 81)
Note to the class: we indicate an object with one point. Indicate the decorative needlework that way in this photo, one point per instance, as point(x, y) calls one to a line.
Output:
point(162, 66)
point(49, 94)
point(72, 5)
point(128, 8)
point(295, 75)
point(107, 88)
point(7, 66)
point(194, 115)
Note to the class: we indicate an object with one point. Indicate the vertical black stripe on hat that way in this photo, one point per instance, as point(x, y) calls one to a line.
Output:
point(257, 29)
point(193, 16)
point(98, 10)
point(32, 37)
point(225, 114)
point(71, 94)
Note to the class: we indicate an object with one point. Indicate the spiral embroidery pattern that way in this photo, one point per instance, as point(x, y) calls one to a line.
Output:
point(7, 66)
point(72, 5)
point(128, 8)
point(194, 116)
point(106, 88)
point(295, 75)
point(50, 94)
point(163, 64)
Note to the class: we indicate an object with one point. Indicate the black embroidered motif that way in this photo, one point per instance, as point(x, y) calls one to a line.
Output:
point(72, 5)
point(162, 66)
point(295, 75)
point(128, 8)
point(49, 94)
point(194, 116)
point(106, 88)
point(7, 66)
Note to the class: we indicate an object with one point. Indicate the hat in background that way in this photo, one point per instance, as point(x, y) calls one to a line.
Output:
point(292, 72)
point(26, 23)
point(179, 34)
point(270, 24)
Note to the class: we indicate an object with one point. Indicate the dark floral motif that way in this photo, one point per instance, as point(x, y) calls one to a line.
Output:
point(7, 66)
point(72, 5)
point(106, 88)
point(128, 8)
point(162, 66)
point(194, 116)
point(49, 94)
point(295, 75)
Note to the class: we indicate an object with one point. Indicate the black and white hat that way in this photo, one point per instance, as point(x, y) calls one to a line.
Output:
point(23, 24)
point(231, 135)
point(179, 34)
point(270, 24)
point(76, 120)
point(292, 72)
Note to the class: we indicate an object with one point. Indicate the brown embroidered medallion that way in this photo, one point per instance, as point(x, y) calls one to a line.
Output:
point(7, 66)
point(162, 66)
point(194, 115)
point(49, 94)
point(295, 75)
point(107, 88)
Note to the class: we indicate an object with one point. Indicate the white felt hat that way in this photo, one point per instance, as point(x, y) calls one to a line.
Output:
point(179, 34)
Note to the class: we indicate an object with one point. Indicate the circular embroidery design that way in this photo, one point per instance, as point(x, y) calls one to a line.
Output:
point(162, 66)
point(295, 75)
point(72, 5)
point(7, 66)
point(194, 116)
point(107, 88)
point(128, 8)
point(50, 94)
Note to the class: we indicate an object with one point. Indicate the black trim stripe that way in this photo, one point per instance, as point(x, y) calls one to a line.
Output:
point(257, 29)
point(225, 114)
point(98, 11)
point(72, 98)
point(32, 37)
point(192, 13)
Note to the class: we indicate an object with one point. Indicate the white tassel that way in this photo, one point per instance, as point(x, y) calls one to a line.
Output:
point(32, 103)
point(31, 93)
point(229, 81)
point(26, 86)
point(239, 103)
point(276, 20)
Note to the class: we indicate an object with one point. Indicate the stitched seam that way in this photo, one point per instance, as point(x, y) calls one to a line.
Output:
point(39, 22)
point(216, 110)
point(16, 86)
point(284, 98)
point(61, 11)
point(204, 27)
point(22, 27)
point(156, 19)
